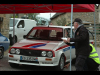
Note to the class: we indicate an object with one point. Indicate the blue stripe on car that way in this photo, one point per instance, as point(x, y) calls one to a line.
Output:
point(37, 46)
point(67, 48)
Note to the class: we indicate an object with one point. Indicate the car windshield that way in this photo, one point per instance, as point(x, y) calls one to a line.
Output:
point(46, 33)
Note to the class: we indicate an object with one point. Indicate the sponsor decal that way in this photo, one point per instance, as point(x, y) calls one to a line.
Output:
point(35, 45)
point(67, 48)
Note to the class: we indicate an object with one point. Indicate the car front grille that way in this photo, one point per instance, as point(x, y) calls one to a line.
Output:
point(27, 52)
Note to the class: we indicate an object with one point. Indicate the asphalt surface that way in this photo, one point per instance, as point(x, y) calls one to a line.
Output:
point(4, 65)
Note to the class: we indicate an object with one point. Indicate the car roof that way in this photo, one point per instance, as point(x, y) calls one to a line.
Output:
point(57, 26)
point(21, 19)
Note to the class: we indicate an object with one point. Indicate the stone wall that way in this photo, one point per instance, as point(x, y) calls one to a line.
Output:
point(4, 26)
point(97, 40)
point(85, 16)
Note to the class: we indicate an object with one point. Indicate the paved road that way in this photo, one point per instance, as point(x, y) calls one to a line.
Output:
point(4, 65)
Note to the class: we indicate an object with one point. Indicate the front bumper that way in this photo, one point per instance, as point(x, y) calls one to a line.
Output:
point(41, 61)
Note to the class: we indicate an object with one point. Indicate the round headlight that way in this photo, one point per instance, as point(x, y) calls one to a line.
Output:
point(17, 51)
point(13, 50)
point(43, 53)
point(49, 54)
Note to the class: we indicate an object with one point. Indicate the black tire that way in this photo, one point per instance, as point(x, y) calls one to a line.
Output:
point(13, 65)
point(61, 64)
point(15, 39)
point(1, 53)
point(12, 41)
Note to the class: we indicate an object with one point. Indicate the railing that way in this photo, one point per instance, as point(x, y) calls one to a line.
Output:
point(91, 29)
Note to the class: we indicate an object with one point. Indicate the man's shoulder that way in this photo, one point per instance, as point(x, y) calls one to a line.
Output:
point(83, 28)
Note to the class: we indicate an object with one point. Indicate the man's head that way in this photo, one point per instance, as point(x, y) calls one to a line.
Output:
point(77, 22)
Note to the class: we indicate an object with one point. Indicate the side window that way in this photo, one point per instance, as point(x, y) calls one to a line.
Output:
point(32, 34)
point(21, 23)
point(67, 32)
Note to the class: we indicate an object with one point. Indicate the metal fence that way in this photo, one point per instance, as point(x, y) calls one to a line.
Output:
point(91, 28)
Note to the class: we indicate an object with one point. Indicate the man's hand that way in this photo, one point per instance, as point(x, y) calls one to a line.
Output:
point(68, 40)
point(65, 41)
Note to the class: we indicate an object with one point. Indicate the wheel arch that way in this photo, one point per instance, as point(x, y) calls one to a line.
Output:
point(2, 47)
point(59, 55)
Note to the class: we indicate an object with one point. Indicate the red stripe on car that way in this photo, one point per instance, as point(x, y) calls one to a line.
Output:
point(62, 47)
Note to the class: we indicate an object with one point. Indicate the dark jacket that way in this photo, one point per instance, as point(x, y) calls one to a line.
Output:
point(81, 41)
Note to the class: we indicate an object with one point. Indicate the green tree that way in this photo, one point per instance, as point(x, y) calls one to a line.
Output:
point(33, 16)
point(16, 16)
point(61, 21)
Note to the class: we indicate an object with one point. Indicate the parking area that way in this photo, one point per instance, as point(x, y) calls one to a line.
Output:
point(4, 65)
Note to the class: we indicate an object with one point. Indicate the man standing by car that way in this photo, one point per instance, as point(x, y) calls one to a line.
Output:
point(81, 40)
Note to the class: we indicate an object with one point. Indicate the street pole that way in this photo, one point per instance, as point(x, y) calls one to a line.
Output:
point(14, 26)
point(71, 32)
point(50, 15)
point(95, 31)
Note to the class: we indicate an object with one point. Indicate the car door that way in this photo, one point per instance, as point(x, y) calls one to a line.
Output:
point(67, 51)
point(20, 30)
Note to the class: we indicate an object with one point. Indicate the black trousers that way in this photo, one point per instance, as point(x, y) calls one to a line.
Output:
point(91, 65)
point(80, 62)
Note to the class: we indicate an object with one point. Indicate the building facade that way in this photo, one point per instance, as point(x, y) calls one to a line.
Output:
point(85, 16)
point(4, 25)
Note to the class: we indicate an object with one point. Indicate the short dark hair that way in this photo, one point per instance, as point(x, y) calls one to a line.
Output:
point(78, 20)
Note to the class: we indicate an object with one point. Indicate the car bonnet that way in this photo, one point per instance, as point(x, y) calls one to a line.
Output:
point(39, 44)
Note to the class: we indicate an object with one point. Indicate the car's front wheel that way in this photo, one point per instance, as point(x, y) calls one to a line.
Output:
point(61, 64)
point(1, 53)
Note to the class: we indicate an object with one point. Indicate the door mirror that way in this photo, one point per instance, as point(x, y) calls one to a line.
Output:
point(24, 36)
point(20, 26)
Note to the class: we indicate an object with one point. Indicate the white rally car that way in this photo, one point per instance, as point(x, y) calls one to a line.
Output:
point(42, 46)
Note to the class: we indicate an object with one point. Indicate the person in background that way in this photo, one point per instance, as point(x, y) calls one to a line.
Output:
point(51, 24)
point(92, 61)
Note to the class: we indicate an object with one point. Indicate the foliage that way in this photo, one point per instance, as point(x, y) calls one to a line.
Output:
point(68, 24)
point(61, 21)
point(15, 16)
point(33, 16)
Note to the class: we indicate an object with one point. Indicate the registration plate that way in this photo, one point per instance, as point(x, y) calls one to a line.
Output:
point(28, 58)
